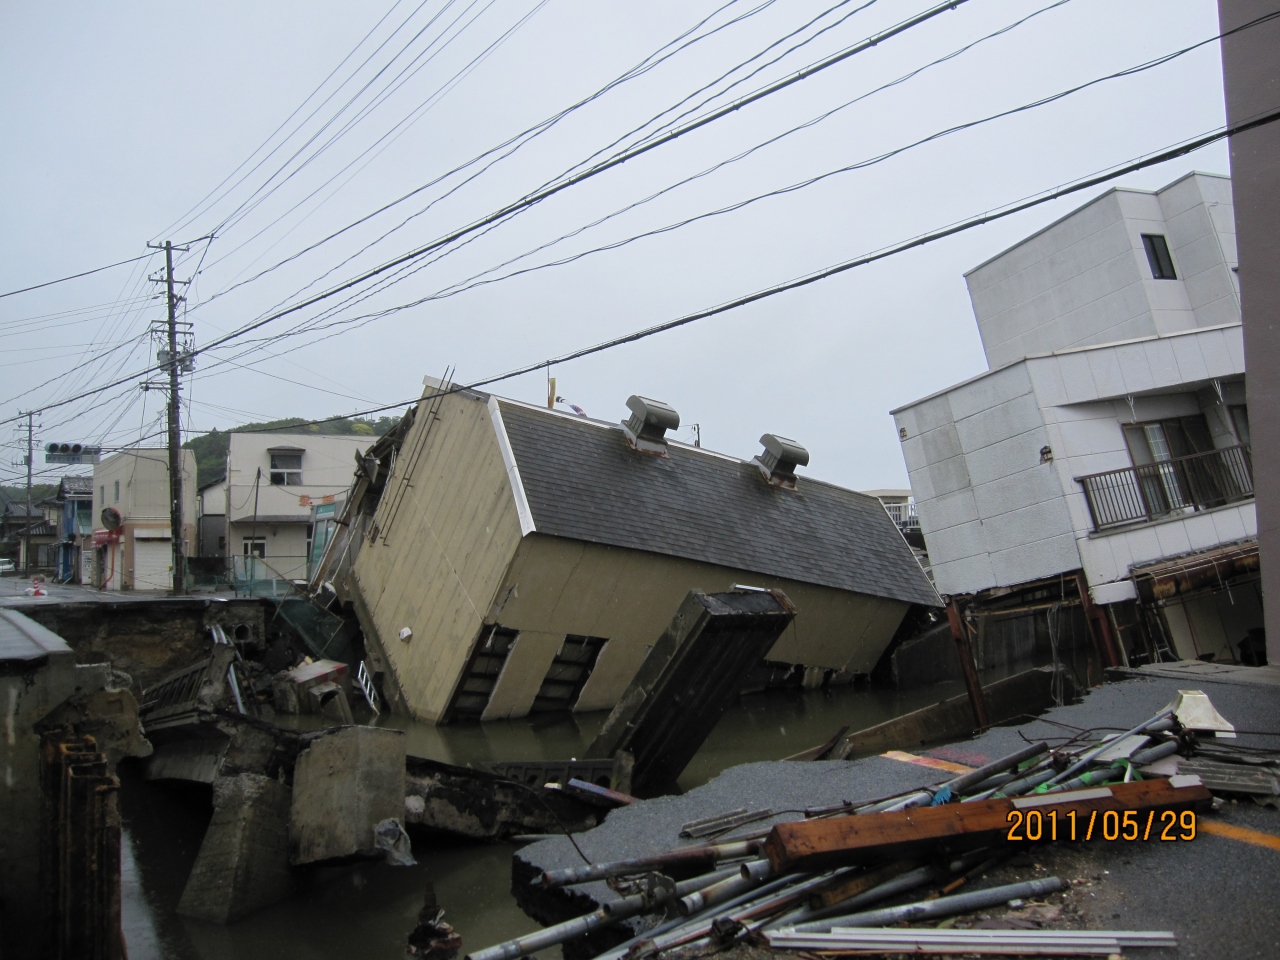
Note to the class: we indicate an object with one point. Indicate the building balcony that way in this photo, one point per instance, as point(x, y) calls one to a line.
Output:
point(1155, 491)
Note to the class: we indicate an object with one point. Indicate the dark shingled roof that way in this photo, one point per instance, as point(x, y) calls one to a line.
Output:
point(583, 482)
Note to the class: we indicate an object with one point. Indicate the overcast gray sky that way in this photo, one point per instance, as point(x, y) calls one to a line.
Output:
point(120, 121)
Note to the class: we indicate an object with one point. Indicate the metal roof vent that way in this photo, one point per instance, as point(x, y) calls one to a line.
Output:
point(779, 460)
point(650, 420)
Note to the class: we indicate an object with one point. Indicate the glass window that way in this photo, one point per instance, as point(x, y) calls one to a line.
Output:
point(255, 546)
point(1158, 256)
point(117, 499)
point(286, 469)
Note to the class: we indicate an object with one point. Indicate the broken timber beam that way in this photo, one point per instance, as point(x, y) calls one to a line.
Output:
point(957, 827)
point(960, 634)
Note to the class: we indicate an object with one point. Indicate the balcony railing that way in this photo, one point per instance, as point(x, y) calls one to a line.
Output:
point(1155, 490)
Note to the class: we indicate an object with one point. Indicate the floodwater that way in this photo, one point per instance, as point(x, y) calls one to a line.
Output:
point(367, 910)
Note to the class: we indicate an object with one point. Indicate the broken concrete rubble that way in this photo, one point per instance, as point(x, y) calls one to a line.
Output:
point(694, 670)
point(344, 784)
point(243, 863)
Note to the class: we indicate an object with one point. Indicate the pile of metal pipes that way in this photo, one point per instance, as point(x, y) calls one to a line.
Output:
point(747, 897)
point(1021, 942)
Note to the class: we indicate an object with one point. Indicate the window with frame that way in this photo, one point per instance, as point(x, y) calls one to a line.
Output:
point(286, 468)
point(1158, 256)
point(117, 492)
point(254, 547)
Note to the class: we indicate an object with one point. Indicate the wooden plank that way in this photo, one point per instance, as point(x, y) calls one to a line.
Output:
point(955, 827)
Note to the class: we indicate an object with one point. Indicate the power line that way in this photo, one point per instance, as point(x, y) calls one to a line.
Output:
point(618, 159)
point(997, 214)
point(519, 140)
point(75, 276)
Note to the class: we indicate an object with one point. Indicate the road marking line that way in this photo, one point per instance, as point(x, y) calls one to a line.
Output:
point(927, 762)
point(1257, 838)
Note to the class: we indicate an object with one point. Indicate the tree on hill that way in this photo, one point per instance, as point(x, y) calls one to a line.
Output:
point(211, 448)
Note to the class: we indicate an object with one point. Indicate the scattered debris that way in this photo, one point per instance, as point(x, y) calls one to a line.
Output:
point(432, 938)
point(389, 836)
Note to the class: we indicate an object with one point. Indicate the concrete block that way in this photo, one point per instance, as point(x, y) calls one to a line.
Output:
point(948, 476)
point(951, 510)
point(243, 864)
point(344, 784)
point(941, 443)
point(1229, 525)
point(1029, 561)
point(967, 575)
point(1007, 419)
point(1107, 375)
point(989, 391)
point(1007, 457)
point(1190, 359)
point(1163, 363)
point(1173, 538)
point(1077, 377)
point(1217, 355)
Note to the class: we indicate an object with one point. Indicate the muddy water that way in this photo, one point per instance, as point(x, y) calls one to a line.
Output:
point(367, 911)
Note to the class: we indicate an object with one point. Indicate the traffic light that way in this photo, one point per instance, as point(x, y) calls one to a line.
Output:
point(71, 453)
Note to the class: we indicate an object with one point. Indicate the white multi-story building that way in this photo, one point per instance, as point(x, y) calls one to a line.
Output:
point(1110, 436)
point(272, 482)
point(134, 551)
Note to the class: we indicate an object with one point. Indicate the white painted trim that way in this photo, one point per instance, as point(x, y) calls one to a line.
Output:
point(513, 471)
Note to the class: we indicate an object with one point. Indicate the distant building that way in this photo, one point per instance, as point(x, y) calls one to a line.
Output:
point(22, 527)
point(506, 559)
point(74, 503)
point(272, 481)
point(136, 553)
point(1110, 438)
point(211, 519)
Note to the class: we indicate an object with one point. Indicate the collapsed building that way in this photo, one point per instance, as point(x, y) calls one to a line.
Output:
point(505, 559)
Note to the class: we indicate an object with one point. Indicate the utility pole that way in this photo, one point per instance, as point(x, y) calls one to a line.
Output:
point(26, 553)
point(170, 360)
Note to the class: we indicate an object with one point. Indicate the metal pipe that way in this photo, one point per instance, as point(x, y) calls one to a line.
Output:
point(956, 786)
point(1025, 783)
point(607, 914)
point(708, 855)
point(1089, 756)
point(750, 876)
point(892, 887)
point(1152, 754)
point(710, 914)
point(941, 907)
point(1093, 778)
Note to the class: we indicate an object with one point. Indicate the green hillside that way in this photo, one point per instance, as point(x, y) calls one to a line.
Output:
point(211, 449)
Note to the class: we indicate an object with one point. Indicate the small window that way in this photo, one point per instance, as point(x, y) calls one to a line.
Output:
point(102, 494)
point(1158, 256)
point(117, 499)
point(255, 547)
point(286, 469)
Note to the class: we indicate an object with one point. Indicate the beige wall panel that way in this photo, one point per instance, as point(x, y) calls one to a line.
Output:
point(522, 675)
point(452, 538)
point(628, 597)
point(617, 664)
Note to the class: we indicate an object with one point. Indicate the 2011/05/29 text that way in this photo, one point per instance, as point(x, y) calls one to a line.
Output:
point(1036, 825)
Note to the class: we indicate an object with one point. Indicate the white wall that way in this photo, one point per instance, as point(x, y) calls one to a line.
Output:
point(1085, 279)
point(328, 466)
point(993, 515)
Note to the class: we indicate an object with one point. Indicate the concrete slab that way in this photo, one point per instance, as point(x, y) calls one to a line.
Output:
point(344, 784)
point(243, 864)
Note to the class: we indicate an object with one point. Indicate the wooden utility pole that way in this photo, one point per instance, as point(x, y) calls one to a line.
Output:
point(26, 552)
point(170, 364)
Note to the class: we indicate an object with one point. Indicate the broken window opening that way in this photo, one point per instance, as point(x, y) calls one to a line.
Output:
point(286, 469)
point(487, 661)
point(568, 674)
